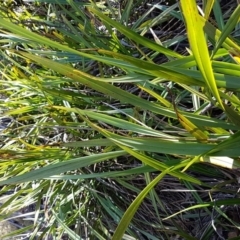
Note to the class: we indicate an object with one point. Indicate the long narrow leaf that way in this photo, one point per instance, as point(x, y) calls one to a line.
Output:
point(195, 30)
point(61, 167)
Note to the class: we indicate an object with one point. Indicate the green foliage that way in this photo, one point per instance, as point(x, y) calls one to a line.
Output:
point(105, 109)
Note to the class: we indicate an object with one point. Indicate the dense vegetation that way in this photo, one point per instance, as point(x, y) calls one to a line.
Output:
point(120, 119)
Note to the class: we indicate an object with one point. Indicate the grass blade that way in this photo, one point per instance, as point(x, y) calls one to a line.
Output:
point(195, 30)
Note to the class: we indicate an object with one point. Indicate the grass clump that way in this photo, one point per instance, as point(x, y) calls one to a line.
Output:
point(122, 119)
